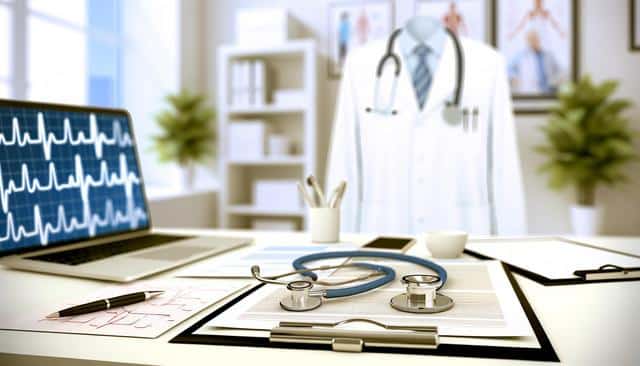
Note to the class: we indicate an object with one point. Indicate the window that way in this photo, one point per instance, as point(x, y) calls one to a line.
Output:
point(90, 31)
point(111, 53)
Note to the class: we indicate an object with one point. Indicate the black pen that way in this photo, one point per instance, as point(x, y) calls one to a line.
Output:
point(106, 304)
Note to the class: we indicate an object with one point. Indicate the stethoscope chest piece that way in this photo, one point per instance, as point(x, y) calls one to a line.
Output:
point(298, 298)
point(452, 114)
point(421, 296)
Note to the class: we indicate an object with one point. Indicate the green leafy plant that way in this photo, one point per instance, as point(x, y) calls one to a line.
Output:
point(589, 141)
point(187, 132)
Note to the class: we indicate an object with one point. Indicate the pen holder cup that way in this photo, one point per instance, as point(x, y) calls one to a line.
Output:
point(325, 224)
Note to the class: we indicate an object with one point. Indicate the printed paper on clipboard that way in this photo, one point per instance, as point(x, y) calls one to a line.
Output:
point(554, 261)
point(486, 305)
point(536, 347)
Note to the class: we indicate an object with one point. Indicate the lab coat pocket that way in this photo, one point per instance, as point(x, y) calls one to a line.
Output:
point(472, 171)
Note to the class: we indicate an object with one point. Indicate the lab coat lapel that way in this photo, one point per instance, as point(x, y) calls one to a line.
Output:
point(444, 79)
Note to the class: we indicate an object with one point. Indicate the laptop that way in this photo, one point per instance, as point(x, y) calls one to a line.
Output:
point(72, 198)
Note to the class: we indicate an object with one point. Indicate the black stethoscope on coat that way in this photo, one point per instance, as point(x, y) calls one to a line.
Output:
point(452, 113)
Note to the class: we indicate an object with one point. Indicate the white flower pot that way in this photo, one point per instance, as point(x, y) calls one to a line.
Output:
point(188, 172)
point(586, 220)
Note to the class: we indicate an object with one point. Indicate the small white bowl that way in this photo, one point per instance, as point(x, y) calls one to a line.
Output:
point(446, 244)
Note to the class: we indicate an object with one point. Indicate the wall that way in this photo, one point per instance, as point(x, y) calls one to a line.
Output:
point(150, 73)
point(196, 209)
point(604, 54)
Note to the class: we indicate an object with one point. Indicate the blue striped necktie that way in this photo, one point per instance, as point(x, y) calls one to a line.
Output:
point(421, 74)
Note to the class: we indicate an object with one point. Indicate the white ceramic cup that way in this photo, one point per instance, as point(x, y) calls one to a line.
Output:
point(325, 224)
point(446, 244)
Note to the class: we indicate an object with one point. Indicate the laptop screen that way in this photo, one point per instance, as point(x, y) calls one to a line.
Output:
point(66, 174)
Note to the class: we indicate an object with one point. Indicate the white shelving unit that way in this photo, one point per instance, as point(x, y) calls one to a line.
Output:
point(291, 66)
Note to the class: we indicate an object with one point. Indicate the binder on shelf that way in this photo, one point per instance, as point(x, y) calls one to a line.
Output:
point(259, 81)
point(554, 261)
point(407, 340)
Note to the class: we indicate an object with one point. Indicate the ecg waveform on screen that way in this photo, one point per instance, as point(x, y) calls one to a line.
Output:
point(95, 138)
point(74, 177)
point(90, 222)
point(78, 181)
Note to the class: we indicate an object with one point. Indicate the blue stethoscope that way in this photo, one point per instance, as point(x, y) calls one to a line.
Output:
point(421, 294)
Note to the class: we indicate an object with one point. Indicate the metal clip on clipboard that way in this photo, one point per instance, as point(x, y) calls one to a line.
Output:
point(609, 272)
point(346, 340)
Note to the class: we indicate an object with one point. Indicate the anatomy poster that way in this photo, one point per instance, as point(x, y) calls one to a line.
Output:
point(537, 39)
point(354, 23)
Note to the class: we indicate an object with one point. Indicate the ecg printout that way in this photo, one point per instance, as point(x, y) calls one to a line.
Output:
point(148, 319)
point(66, 175)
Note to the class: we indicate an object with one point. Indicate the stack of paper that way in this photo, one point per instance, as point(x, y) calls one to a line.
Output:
point(272, 259)
point(485, 304)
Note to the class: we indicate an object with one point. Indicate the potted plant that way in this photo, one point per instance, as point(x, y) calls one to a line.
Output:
point(187, 133)
point(589, 143)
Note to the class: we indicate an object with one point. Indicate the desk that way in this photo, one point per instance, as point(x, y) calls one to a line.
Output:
point(595, 324)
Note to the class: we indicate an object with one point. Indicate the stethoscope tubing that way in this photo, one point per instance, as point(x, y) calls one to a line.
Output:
point(391, 55)
point(299, 265)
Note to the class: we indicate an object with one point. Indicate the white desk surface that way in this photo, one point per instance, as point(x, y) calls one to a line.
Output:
point(593, 324)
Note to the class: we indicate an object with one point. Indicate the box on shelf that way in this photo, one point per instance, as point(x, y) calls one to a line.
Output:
point(266, 26)
point(277, 194)
point(278, 145)
point(274, 224)
point(247, 140)
point(289, 97)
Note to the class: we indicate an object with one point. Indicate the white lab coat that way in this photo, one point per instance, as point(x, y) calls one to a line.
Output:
point(412, 172)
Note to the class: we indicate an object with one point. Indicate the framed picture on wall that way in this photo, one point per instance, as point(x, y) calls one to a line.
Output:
point(466, 18)
point(353, 23)
point(539, 41)
point(634, 25)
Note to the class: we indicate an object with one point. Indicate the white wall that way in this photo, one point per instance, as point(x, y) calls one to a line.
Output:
point(195, 210)
point(150, 43)
point(604, 54)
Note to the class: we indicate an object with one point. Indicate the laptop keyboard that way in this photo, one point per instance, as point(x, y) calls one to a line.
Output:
point(96, 252)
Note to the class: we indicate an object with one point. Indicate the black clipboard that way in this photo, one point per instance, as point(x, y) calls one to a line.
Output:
point(544, 353)
point(580, 273)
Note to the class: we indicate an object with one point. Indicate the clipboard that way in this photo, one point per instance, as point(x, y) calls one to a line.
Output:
point(545, 351)
point(604, 272)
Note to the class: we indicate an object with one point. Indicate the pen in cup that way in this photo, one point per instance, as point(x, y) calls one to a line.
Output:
point(313, 183)
point(336, 195)
point(305, 195)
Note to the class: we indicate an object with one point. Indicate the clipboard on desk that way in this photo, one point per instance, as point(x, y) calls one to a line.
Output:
point(554, 261)
point(326, 337)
